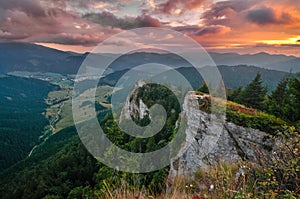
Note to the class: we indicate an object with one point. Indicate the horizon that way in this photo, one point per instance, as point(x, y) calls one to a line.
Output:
point(157, 52)
point(221, 26)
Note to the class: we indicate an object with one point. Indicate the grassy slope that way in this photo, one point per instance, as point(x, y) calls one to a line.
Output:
point(246, 117)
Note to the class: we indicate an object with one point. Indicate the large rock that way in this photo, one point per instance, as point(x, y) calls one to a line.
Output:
point(205, 147)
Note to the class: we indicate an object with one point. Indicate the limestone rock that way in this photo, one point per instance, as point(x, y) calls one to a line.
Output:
point(204, 148)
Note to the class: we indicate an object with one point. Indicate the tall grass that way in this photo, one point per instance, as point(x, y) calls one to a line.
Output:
point(276, 175)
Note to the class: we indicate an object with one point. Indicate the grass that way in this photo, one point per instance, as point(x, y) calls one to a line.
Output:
point(59, 113)
point(243, 116)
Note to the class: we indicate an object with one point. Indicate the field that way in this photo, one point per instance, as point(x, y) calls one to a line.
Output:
point(60, 111)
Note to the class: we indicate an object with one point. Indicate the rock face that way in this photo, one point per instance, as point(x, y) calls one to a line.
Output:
point(204, 148)
point(131, 108)
point(208, 140)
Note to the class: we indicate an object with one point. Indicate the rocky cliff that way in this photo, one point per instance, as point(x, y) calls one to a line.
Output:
point(208, 140)
point(232, 144)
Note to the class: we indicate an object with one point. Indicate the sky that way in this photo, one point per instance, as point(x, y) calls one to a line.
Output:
point(240, 26)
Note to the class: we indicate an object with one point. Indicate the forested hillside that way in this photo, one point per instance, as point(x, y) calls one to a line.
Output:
point(62, 167)
point(22, 102)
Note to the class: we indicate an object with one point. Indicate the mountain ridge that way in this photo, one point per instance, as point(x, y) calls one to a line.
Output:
point(37, 58)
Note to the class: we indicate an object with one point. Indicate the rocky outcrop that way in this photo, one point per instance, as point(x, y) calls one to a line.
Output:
point(132, 108)
point(204, 148)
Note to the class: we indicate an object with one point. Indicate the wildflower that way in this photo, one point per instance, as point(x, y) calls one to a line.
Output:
point(211, 187)
point(241, 171)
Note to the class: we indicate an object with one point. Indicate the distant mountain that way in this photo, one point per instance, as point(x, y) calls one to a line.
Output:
point(35, 58)
point(264, 60)
point(293, 65)
point(233, 76)
point(242, 75)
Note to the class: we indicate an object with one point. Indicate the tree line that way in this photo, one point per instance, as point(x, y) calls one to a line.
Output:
point(283, 102)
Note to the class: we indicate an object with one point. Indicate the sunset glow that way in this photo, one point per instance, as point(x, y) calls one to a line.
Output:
point(289, 41)
point(240, 26)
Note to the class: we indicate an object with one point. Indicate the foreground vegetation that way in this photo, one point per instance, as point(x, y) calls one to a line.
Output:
point(69, 171)
point(277, 175)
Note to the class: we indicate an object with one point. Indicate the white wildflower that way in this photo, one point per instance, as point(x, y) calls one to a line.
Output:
point(211, 187)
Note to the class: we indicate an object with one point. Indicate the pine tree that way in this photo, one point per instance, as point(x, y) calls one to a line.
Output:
point(236, 95)
point(203, 88)
point(284, 101)
point(277, 99)
point(254, 94)
point(292, 107)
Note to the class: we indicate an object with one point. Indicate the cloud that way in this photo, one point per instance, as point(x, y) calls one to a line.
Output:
point(290, 45)
point(204, 31)
point(237, 13)
point(73, 39)
point(109, 19)
point(247, 17)
point(31, 7)
point(264, 16)
point(9, 36)
point(83, 7)
point(228, 13)
point(214, 29)
point(75, 31)
point(39, 21)
point(172, 6)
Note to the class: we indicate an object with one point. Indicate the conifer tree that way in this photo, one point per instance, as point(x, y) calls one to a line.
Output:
point(292, 107)
point(236, 95)
point(284, 100)
point(254, 94)
point(203, 88)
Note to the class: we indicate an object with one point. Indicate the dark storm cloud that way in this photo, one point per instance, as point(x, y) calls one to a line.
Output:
point(263, 16)
point(109, 19)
